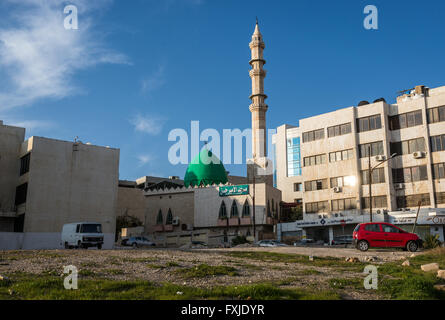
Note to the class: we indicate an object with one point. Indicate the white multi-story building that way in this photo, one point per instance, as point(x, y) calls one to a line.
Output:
point(321, 165)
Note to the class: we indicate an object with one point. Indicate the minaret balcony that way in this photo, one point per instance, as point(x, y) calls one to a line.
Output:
point(254, 60)
point(256, 44)
point(257, 73)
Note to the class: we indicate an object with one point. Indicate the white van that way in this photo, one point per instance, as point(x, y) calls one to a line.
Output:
point(82, 235)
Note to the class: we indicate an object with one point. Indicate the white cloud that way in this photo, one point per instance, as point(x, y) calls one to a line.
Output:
point(38, 56)
point(145, 159)
point(148, 124)
point(153, 81)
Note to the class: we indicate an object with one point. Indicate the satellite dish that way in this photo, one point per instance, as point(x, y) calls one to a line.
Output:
point(380, 100)
point(363, 103)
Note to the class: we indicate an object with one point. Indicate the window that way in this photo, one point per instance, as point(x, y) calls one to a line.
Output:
point(413, 200)
point(234, 210)
point(315, 160)
point(436, 114)
point(369, 123)
point(376, 149)
point(313, 135)
point(437, 143)
point(314, 207)
point(440, 197)
point(405, 120)
point(298, 187)
point(293, 157)
point(246, 209)
point(24, 164)
point(342, 181)
point(341, 155)
point(169, 219)
point(377, 202)
point(408, 146)
point(411, 174)
point(222, 211)
point(269, 214)
point(20, 194)
point(159, 218)
point(390, 229)
point(344, 204)
point(438, 171)
point(373, 227)
point(316, 185)
point(339, 130)
point(378, 176)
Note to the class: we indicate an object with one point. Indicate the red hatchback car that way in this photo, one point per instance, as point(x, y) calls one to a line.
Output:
point(384, 235)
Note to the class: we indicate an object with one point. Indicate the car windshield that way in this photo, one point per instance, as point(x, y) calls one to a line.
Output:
point(91, 228)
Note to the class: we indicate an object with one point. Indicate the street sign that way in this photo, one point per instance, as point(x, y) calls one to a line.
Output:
point(233, 190)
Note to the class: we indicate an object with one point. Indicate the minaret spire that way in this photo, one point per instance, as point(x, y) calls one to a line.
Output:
point(258, 107)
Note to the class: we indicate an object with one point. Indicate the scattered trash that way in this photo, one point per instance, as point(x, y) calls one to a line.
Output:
point(352, 259)
point(406, 263)
point(430, 267)
point(441, 274)
point(311, 258)
point(179, 293)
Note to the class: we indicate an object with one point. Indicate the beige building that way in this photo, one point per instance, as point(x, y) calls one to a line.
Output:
point(322, 164)
point(57, 182)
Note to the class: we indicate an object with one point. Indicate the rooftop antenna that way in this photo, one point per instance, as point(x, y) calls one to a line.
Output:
point(76, 138)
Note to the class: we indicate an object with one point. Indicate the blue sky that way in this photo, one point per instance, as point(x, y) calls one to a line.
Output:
point(134, 70)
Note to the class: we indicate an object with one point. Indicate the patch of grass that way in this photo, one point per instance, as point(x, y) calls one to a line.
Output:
point(155, 266)
point(139, 260)
point(114, 271)
point(308, 272)
point(204, 270)
point(86, 273)
point(26, 286)
point(340, 283)
point(275, 257)
point(249, 266)
point(90, 264)
point(172, 264)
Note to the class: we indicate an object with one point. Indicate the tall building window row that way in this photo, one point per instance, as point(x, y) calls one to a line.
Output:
point(377, 202)
point(293, 157)
point(376, 149)
point(341, 155)
point(339, 130)
point(438, 171)
point(298, 187)
point(408, 146)
point(436, 114)
point(342, 181)
point(344, 204)
point(437, 143)
point(316, 185)
point(313, 135)
point(406, 120)
point(440, 197)
point(412, 201)
point(315, 160)
point(411, 174)
point(24, 164)
point(315, 207)
point(369, 123)
point(377, 176)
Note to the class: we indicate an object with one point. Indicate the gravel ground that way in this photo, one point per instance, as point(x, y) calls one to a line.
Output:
point(162, 265)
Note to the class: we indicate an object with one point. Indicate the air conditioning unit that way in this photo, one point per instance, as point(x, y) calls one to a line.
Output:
point(380, 158)
point(175, 221)
point(336, 189)
point(190, 227)
point(419, 155)
point(399, 186)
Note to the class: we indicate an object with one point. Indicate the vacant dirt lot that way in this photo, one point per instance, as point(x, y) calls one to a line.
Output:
point(206, 268)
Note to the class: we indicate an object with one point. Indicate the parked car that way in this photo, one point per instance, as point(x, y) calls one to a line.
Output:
point(342, 240)
point(82, 235)
point(137, 242)
point(270, 243)
point(384, 235)
point(303, 242)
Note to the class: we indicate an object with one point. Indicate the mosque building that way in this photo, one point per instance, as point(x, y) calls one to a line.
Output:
point(208, 205)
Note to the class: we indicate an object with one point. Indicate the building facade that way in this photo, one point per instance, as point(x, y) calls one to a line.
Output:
point(322, 164)
point(56, 182)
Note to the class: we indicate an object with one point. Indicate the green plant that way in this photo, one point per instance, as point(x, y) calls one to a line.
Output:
point(431, 242)
point(239, 240)
point(204, 270)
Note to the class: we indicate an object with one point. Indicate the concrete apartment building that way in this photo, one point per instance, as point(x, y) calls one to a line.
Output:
point(321, 164)
point(52, 182)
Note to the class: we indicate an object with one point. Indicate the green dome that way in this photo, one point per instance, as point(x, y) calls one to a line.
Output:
point(205, 169)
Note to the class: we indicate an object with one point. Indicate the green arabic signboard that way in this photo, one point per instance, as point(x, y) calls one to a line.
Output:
point(233, 190)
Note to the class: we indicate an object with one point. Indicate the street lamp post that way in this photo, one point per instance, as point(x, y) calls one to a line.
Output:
point(370, 170)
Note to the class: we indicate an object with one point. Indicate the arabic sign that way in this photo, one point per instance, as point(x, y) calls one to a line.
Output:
point(226, 191)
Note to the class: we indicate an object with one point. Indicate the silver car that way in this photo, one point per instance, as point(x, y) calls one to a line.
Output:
point(137, 242)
